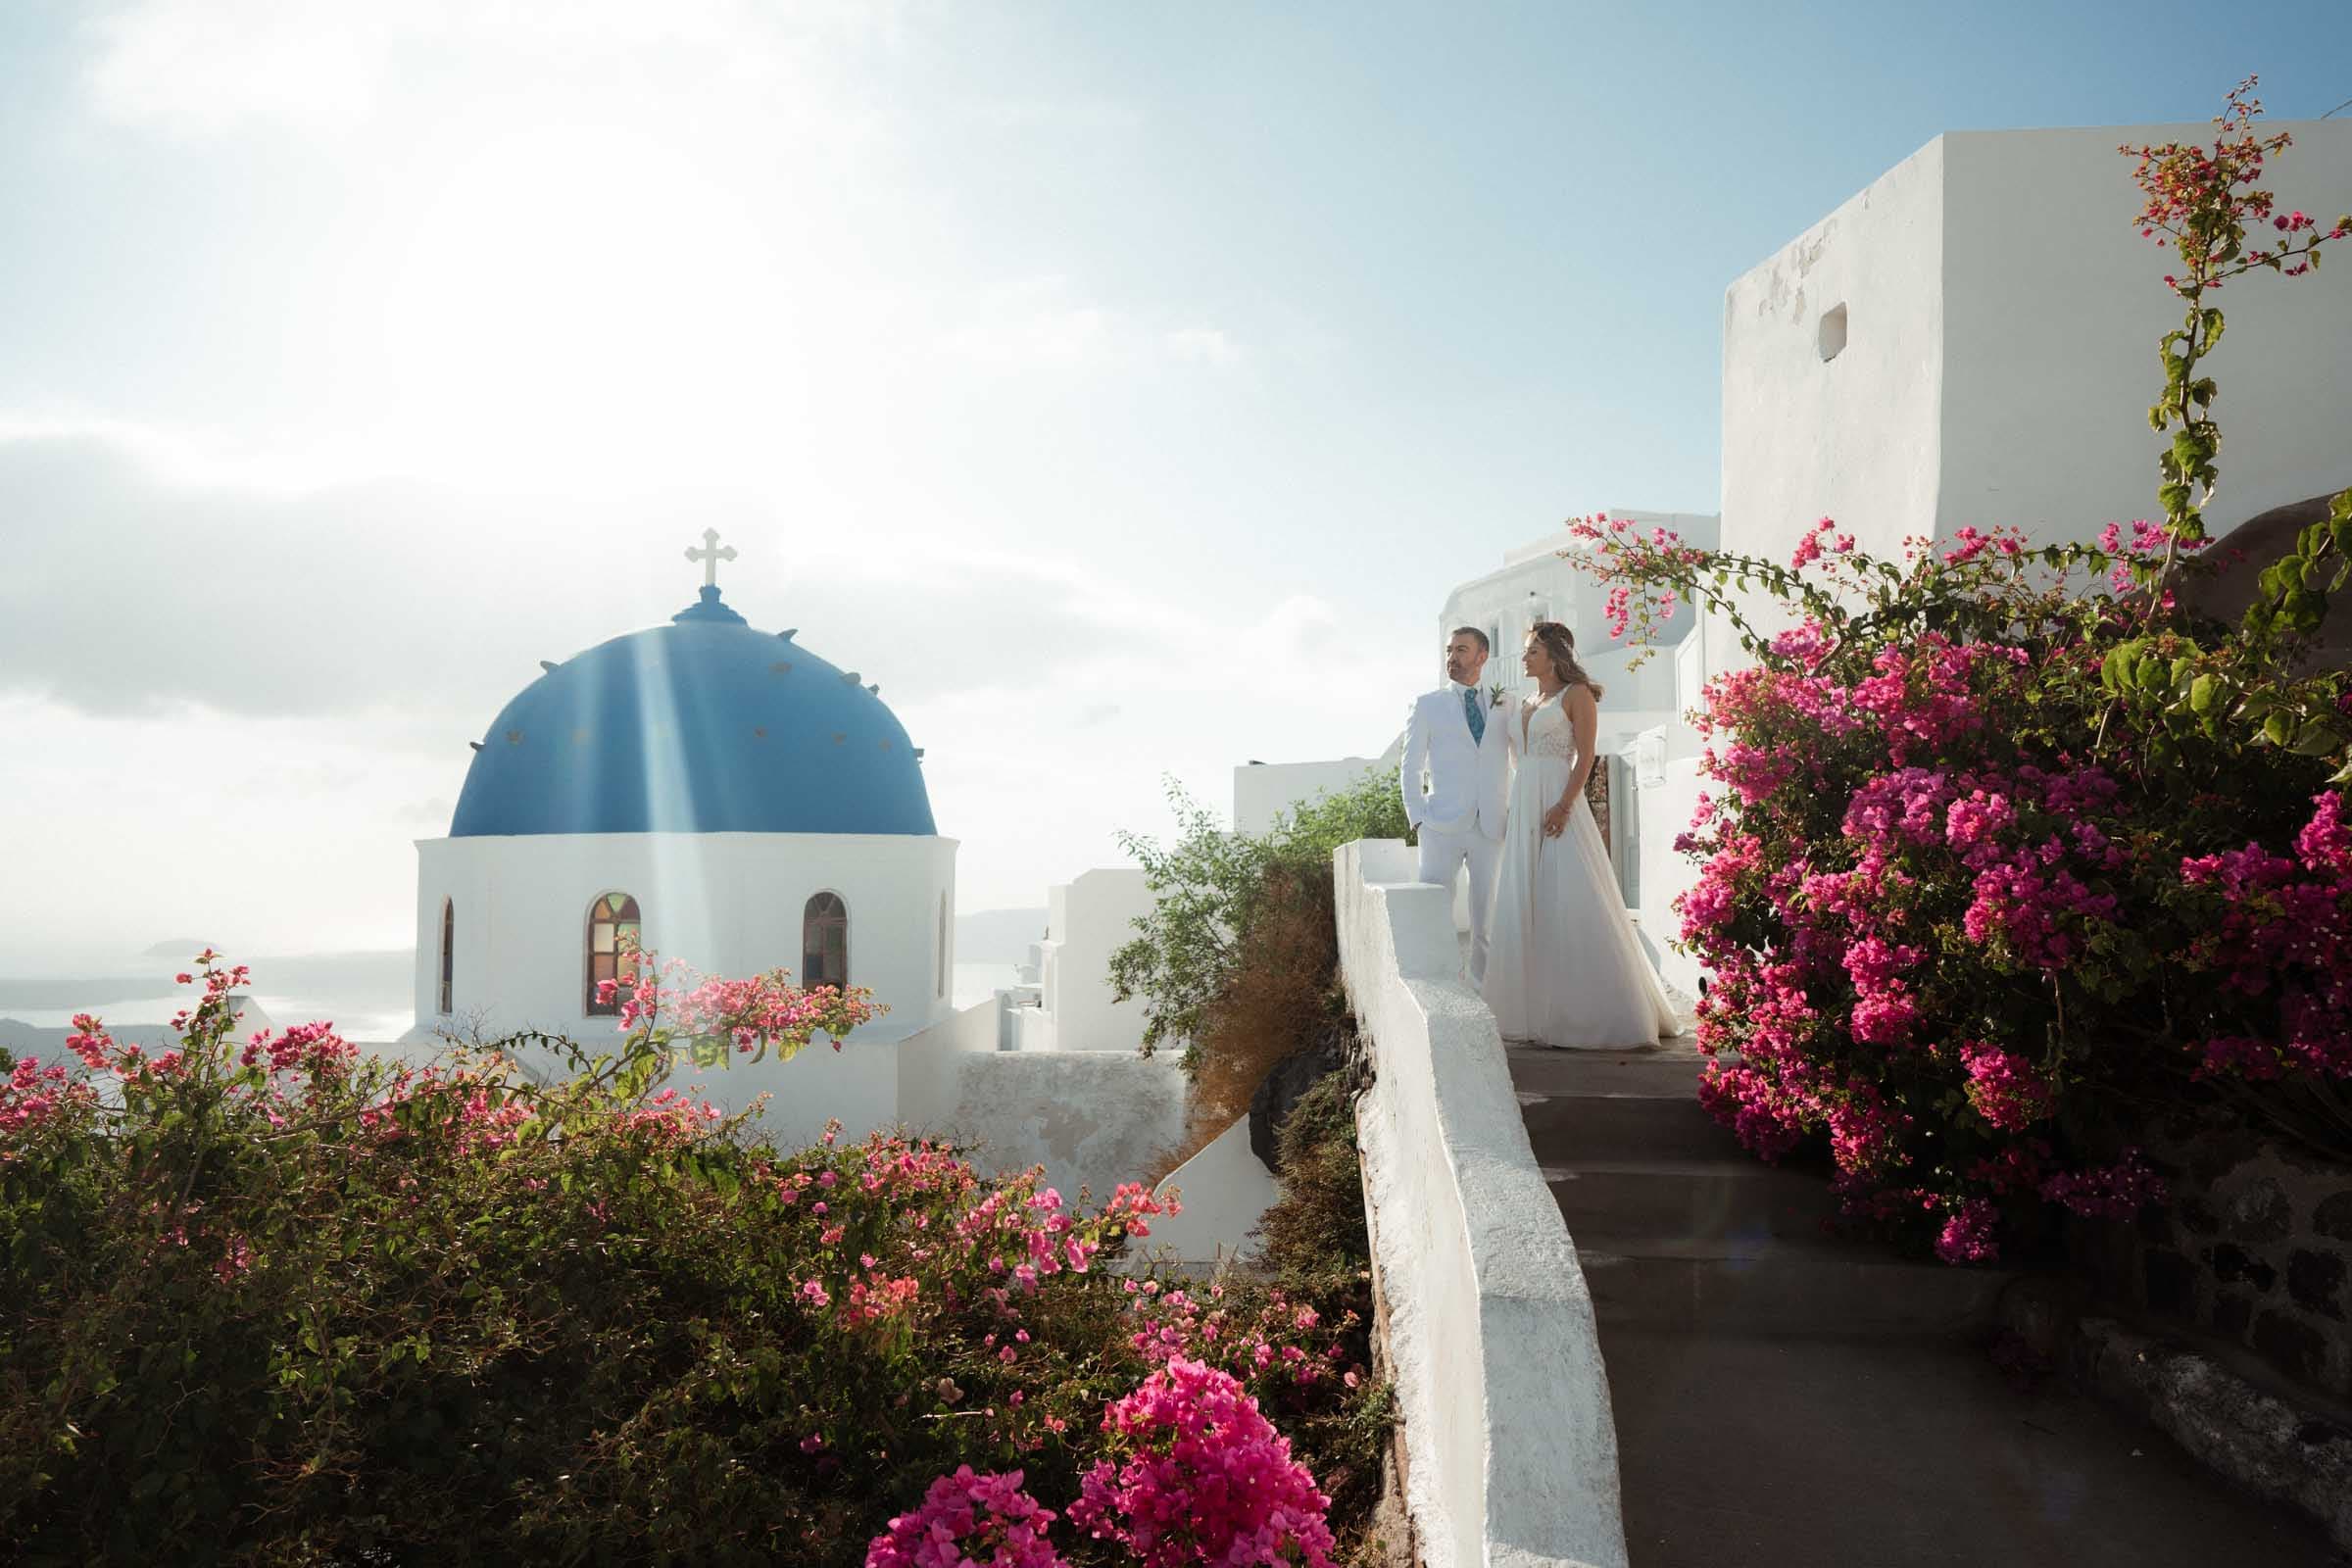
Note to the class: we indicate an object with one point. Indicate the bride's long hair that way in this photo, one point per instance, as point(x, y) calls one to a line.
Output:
point(1559, 645)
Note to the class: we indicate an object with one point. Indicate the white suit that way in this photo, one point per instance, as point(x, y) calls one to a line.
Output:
point(1457, 786)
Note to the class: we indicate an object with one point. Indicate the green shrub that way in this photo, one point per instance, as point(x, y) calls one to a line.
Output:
point(270, 1303)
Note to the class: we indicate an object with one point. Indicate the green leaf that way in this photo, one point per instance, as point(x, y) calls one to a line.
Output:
point(2203, 693)
point(2317, 739)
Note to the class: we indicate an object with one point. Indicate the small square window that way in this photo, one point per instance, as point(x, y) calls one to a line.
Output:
point(1831, 335)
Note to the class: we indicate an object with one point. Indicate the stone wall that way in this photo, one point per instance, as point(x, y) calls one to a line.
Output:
point(2255, 1249)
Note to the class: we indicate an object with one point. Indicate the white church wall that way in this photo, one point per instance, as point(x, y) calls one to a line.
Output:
point(726, 904)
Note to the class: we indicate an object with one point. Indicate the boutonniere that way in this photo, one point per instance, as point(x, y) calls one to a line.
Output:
point(1494, 698)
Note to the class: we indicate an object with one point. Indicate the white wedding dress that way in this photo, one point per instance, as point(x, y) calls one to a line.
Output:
point(1564, 966)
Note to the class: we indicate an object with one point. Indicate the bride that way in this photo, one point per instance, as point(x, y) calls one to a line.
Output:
point(1564, 966)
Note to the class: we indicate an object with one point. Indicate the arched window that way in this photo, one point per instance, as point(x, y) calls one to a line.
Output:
point(610, 919)
point(825, 942)
point(449, 953)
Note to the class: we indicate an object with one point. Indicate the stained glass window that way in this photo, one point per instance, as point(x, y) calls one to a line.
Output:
point(610, 919)
point(825, 942)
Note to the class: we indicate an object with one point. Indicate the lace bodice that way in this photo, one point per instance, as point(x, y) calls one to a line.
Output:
point(1548, 732)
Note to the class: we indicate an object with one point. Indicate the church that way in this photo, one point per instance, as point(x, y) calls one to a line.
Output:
point(725, 795)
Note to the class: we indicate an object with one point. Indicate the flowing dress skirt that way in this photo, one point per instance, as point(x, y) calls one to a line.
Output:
point(1564, 966)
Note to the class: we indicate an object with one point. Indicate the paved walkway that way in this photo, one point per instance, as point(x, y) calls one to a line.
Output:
point(1783, 1398)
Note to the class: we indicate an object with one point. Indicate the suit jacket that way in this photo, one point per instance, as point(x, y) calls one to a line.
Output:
point(1467, 780)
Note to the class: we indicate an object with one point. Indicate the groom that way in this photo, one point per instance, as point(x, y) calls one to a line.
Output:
point(1456, 738)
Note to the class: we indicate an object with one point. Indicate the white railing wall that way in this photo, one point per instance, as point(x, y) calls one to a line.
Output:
point(1510, 1449)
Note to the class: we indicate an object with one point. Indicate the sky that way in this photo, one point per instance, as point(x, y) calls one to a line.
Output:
point(1121, 387)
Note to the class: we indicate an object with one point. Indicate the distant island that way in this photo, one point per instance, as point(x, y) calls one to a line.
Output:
point(178, 948)
point(997, 936)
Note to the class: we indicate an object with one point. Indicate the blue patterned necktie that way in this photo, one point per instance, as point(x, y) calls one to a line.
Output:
point(1476, 715)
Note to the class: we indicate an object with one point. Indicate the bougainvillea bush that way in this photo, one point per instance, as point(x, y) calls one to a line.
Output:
point(269, 1301)
point(2011, 853)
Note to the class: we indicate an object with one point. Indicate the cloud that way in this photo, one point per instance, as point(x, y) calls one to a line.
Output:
point(1038, 324)
point(1093, 116)
point(206, 66)
point(1207, 345)
point(132, 592)
point(284, 679)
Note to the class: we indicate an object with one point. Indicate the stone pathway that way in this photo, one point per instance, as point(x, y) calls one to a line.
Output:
point(1783, 1398)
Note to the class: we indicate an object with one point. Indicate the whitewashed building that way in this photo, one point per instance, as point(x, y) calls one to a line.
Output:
point(729, 799)
point(1264, 791)
point(1072, 1005)
point(1971, 341)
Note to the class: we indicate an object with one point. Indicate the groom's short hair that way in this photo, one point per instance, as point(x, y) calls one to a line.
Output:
point(1483, 646)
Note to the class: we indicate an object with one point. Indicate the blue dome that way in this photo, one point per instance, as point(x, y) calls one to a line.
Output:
point(701, 726)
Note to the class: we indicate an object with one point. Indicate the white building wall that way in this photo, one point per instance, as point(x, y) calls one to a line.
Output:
point(1088, 920)
point(1541, 580)
point(726, 904)
point(1666, 797)
point(2050, 355)
point(2000, 352)
point(1263, 791)
point(1852, 437)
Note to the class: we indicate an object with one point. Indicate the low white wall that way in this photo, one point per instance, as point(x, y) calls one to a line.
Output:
point(1225, 1190)
point(931, 1061)
point(1510, 1447)
point(1029, 1029)
point(1093, 1119)
point(1264, 791)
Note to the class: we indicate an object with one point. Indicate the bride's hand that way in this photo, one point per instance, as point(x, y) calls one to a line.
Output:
point(1555, 820)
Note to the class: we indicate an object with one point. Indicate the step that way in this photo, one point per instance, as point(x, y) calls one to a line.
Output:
point(1668, 1073)
point(1736, 1198)
point(1774, 1452)
point(1779, 1285)
point(1582, 1129)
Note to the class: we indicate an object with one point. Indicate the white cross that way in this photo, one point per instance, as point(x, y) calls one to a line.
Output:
point(710, 555)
